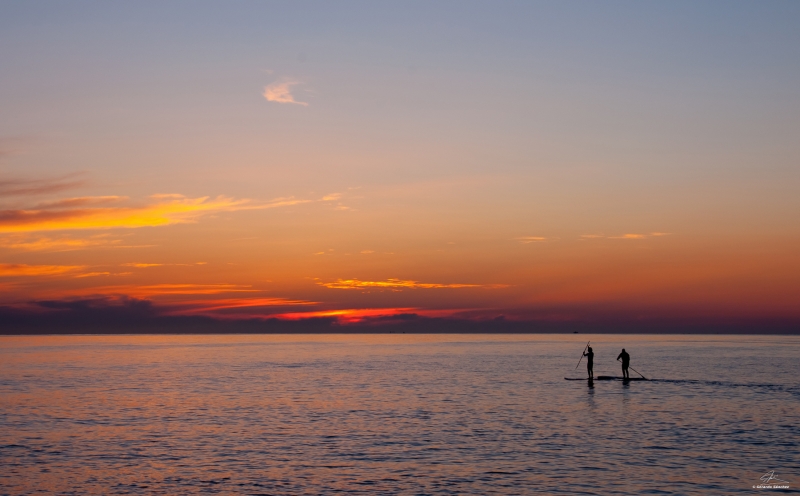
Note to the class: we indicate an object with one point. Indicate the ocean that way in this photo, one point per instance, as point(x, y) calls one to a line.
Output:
point(397, 414)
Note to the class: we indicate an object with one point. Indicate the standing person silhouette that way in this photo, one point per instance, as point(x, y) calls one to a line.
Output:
point(626, 360)
point(590, 362)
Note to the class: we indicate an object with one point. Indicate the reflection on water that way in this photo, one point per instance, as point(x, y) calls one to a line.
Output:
point(395, 414)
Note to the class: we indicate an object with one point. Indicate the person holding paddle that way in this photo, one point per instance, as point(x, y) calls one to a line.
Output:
point(626, 361)
point(589, 361)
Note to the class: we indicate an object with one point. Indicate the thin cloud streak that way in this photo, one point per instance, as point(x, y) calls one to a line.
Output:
point(640, 236)
point(398, 284)
point(17, 270)
point(26, 243)
point(160, 213)
point(187, 289)
point(252, 302)
point(29, 187)
point(81, 201)
point(80, 214)
point(281, 92)
point(214, 307)
point(625, 236)
point(530, 239)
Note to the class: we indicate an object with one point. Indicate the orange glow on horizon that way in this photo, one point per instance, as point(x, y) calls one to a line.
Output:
point(348, 315)
point(355, 315)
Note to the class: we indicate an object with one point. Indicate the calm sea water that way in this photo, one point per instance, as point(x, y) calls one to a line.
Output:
point(389, 414)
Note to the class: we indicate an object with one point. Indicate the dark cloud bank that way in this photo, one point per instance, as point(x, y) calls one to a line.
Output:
point(134, 316)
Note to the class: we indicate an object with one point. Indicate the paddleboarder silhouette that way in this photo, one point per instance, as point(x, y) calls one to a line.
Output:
point(626, 360)
point(589, 362)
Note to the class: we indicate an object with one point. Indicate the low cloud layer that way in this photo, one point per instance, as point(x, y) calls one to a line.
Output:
point(124, 314)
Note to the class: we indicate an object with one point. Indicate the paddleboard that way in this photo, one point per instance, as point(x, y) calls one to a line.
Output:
point(605, 378)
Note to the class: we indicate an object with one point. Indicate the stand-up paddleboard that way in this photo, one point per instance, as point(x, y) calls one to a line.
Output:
point(605, 378)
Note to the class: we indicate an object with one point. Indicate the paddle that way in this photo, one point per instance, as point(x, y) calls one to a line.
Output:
point(584, 351)
point(643, 377)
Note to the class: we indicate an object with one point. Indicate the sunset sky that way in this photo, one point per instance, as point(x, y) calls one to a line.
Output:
point(543, 163)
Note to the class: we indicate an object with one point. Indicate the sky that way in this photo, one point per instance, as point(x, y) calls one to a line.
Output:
point(534, 165)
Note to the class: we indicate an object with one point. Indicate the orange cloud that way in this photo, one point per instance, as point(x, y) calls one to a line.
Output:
point(147, 265)
point(640, 236)
point(27, 243)
point(399, 284)
point(187, 289)
point(84, 213)
point(281, 92)
point(15, 270)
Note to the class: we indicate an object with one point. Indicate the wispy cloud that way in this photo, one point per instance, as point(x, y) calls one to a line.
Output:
point(93, 274)
point(530, 239)
point(82, 201)
point(235, 306)
point(398, 284)
point(148, 265)
point(281, 92)
point(95, 213)
point(630, 236)
point(58, 271)
point(625, 236)
point(253, 302)
point(17, 270)
point(167, 290)
point(27, 242)
point(187, 289)
point(22, 187)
